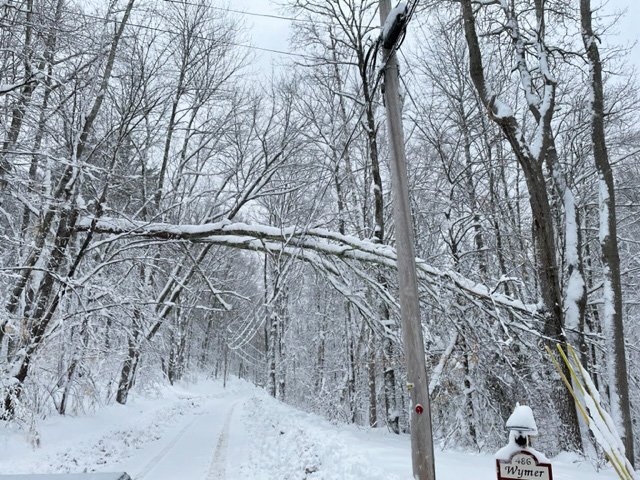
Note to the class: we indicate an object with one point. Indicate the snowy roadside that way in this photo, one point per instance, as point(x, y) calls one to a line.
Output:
point(287, 444)
point(104, 440)
point(239, 433)
point(276, 441)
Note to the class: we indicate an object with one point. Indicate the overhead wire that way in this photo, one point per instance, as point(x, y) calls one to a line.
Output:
point(240, 12)
point(244, 12)
point(196, 37)
point(247, 332)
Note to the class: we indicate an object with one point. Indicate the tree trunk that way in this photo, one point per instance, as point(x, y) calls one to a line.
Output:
point(390, 402)
point(613, 321)
point(272, 353)
point(371, 352)
point(543, 233)
point(469, 413)
point(128, 372)
point(206, 344)
point(63, 193)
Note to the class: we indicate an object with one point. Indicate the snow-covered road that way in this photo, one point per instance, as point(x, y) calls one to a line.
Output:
point(196, 450)
point(183, 434)
point(204, 432)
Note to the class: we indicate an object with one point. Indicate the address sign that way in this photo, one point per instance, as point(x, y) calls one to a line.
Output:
point(523, 465)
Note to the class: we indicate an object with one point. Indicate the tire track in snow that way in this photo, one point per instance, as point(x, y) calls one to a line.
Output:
point(217, 470)
point(155, 460)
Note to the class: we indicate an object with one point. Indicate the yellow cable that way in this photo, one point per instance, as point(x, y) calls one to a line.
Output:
point(614, 452)
point(571, 371)
point(584, 375)
point(566, 382)
point(622, 475)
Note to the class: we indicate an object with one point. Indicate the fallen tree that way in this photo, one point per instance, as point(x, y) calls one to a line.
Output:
point(321, 248)
point(339, 258)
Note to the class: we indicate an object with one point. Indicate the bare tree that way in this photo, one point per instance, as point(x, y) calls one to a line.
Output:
point(65, 192)
point(612, 308)
point(531, 157)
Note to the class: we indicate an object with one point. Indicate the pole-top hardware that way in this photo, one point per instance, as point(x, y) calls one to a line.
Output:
point(394, 25)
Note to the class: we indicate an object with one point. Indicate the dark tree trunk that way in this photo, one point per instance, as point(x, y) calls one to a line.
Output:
point(613, 321)
point(543, 233)
point(373, 412)
point(128, 372)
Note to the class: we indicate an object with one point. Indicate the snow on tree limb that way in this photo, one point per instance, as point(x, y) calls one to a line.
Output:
point(312, 245)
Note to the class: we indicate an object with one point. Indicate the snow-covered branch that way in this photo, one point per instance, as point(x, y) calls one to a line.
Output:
point(308, 244)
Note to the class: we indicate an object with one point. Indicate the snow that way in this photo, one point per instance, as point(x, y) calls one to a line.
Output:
point(575, 284)
point(436, 373)
point(509, 450)
point(575, 289)
point(601, 417)
point(7, 87)
point(609, 309)
point(608, 321)
point(536, 146)
point(205, 431)
point(400, 9)
point(98, 441)
point(304, 243)
point(502, 110)
point(571, 228)
point(604, 209)
point(522, 418)
point(73, 476)
point(544, 64)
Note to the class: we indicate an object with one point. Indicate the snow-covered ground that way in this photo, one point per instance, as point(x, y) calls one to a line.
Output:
point(203, 432)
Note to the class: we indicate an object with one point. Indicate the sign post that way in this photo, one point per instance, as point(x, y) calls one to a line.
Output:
point(517, 460)
point(523, 465)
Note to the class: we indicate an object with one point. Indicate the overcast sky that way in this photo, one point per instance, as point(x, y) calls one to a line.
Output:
point(627, 31)
point(270, 33)
point(274, 33)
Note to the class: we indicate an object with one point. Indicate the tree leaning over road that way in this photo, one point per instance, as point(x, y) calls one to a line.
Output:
point(213, 219)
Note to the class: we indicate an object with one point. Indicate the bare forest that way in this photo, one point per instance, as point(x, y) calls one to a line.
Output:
point(168, 209)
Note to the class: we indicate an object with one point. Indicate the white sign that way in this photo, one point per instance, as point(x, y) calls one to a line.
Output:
point(523, 465)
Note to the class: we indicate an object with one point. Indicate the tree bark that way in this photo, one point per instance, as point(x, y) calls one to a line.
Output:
point(62, 193)
point(613, 309)
point(390, 402)
point(531, 164)
point(371, 353)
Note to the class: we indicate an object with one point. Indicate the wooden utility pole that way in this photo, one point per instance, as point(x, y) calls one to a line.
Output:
point(417, 378)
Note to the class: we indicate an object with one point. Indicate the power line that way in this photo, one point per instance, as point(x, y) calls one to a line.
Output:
point(197, 37)
point(241, 12)
point(396, 47)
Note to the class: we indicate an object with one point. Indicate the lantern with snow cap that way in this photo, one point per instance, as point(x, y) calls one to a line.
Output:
point(522, 425)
